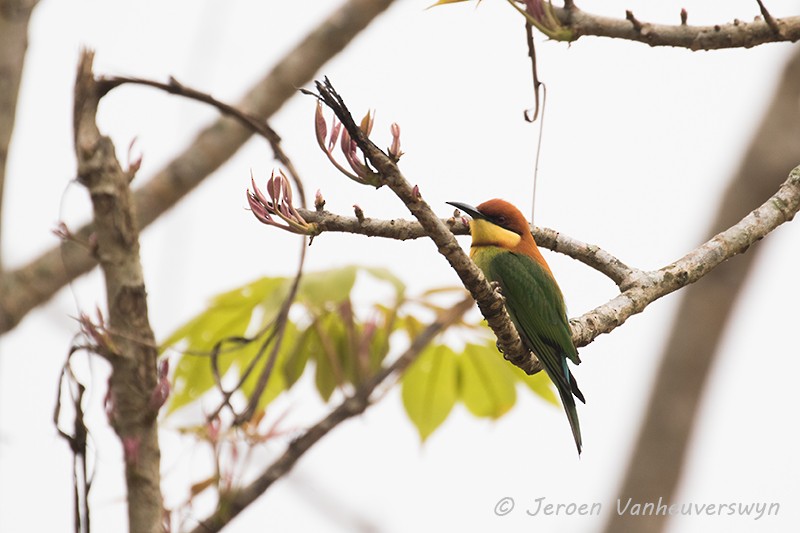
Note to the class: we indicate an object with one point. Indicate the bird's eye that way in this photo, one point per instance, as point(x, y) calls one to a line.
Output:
point(501, 220)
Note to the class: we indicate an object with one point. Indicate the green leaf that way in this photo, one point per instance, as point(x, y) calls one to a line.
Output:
point(346, 342)
point(540, 384)
point(327, 335)
point(296, 361)
point(344, 348)
point(379, 342)
point(384, 274)
point(193, 375)
point(318, 290)
point(228, 311)
point(228, 317)
point(487, 384)
point(429, 388)
point(411, 325)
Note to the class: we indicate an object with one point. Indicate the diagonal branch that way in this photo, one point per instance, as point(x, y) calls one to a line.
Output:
point(780, 208)
point(639, 288)
point(353, 405)
point(490, 304)
point(33, 284)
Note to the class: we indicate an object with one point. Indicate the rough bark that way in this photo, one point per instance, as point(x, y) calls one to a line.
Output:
point(132, 403)
point(736, 34)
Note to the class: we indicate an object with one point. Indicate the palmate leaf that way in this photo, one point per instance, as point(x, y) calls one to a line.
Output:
point(430, 388)
point(487, 384)
point(296, 360)
point(320, 289)
point(384, 324)
point(224, 322)
point(325, 349)
point(237, 312)
point(384, 274)
point(228, 311)
point(540, 384)
point(478, 376)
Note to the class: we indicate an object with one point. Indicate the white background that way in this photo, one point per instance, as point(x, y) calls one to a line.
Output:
point(639, 143)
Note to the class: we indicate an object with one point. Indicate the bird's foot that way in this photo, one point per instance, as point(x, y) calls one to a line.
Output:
point(498, 290)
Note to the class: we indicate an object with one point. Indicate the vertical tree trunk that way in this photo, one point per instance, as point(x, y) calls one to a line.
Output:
point(129, 344)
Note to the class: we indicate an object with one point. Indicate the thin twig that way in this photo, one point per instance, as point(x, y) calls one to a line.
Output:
point(771, 22)
point(280, 329)
point(250, 121)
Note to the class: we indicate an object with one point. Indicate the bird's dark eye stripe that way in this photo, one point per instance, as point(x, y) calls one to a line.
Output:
point(502, 221)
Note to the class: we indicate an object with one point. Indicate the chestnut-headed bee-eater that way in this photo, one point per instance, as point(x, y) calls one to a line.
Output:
point(504, 249)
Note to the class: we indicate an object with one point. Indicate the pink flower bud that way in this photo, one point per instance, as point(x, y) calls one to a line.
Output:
point(394, 149)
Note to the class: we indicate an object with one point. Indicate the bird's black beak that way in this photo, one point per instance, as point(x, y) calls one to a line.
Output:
point(468, 209)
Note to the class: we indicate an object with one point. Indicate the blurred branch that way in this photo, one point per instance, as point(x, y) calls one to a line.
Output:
point(14, 17)
point(355, 404)
point(657, 461)
point(132, 404)
point(736, 34)
point(33, 284)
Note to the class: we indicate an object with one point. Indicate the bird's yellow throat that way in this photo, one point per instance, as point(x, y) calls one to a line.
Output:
point(484, 233)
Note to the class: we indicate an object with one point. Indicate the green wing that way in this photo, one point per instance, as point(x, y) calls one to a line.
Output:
point(536, 307)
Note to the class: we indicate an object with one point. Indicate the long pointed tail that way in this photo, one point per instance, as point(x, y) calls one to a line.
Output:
point(572, 416)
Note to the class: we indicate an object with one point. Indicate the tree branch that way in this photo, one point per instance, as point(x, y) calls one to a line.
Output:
point(780, 208)
point(736, 34)
point(400, 229)
point(639, 288)
point(131, 345)
point(490, 304)
point(14, 17)
point(351, 406)
point(36, 282)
